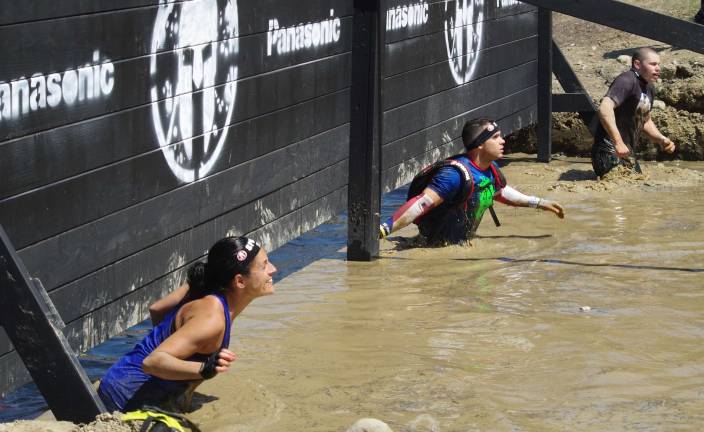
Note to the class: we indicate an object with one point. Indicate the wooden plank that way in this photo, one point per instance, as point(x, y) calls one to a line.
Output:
point(113, 281)
point(20, 12)
point(519, 120)
point(135, 82)
point(364, 198)
point(417, 52)
point(12, 13)
point(69, 256)
point(564, 73)
point(571, 102)
point(59, 153)
point(131, 309)
point(118, 35)
point(5, 344)
point(101, 192)
point(47, 355)
point(52, 315)
point(418, 83)
point(631, 19)
point(13, 374)
point(438, 16)
point(571, 84)
point(544, 85)
point(130, 33)
point(409, 147)
point(431, 110)
point(399, 175)
point(254, 16)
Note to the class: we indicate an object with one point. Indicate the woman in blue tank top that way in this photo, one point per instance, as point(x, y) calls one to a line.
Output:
point(192, 329)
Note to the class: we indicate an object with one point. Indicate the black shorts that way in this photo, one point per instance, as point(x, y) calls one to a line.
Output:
point(604, 158)
point(445, 226)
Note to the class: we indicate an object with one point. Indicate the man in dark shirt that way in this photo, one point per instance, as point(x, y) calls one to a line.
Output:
point(625, 112)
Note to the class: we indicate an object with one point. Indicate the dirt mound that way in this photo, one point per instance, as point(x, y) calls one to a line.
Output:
point(102, 423)
point(683, 127)
point(683, 86)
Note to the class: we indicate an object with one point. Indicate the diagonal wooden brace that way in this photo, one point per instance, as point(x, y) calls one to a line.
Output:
point(35, 329)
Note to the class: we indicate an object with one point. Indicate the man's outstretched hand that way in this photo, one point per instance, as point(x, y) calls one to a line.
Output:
point(667, 145)
point(552, 206)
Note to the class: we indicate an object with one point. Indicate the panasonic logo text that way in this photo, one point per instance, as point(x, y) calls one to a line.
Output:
point(25, 95)
point(290, 39)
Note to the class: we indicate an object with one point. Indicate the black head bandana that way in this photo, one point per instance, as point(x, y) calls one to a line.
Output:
point(487, 133)
point(245, 255)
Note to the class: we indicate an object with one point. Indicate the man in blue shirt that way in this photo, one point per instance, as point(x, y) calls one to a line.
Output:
point(448, 199)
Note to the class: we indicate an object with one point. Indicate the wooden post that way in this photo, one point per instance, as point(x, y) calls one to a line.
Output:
point(31, 323)
point(364, 193)
point(544, 84)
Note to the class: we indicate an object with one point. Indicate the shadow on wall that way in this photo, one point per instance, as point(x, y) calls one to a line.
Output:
point(325, 241)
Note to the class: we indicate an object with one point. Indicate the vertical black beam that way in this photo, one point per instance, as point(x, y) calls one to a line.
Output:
point(30, 322)
point(544, 84)
point(364, 190)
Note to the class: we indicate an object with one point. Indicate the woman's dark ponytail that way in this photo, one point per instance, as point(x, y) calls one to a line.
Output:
point(197, 280)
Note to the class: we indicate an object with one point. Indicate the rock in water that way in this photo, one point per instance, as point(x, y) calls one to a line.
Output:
point(369, 425)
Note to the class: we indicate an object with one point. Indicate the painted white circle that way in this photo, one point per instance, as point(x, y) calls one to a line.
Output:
point(464, 24)
point(194, 82)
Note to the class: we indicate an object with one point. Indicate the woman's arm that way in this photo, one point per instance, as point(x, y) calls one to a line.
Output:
point(159, 309)
point(201, 332)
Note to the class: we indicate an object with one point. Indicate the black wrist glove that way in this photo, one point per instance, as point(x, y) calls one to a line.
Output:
point(207, 368)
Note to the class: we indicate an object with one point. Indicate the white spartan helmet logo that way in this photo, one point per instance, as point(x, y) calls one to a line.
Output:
point(193, 78)
point(463, 36)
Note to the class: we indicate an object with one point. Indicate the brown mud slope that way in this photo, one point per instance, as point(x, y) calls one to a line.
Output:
point(102, 423)
point(598, 54)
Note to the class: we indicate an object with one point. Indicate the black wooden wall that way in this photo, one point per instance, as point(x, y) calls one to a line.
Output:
point(135, 133)
point(466, 59)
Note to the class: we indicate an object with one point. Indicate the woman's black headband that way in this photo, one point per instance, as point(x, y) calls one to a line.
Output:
point(237, 260)
point(245, 255)
point(485, 134)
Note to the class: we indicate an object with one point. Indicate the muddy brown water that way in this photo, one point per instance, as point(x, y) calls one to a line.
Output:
point(493, 337)
point(497, 336)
